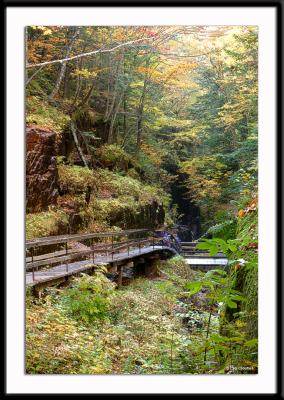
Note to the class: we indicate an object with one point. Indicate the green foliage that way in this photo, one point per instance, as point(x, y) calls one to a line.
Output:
point(151, 120)
point(219, 288)
point(223, 162)
point(89, 298)
point(90, 328)
point(217, 244)
point(233, 350)
point(242, 254)
point(224, 230)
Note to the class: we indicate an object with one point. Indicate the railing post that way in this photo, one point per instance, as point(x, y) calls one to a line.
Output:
point(112, 247)
point(93, 251)
point(66, 266)
point(66, 248)
point(32, 252)
point(33, 274)
point(119, 283)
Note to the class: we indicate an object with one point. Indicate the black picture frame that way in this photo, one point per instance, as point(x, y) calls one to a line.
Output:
point(279, 112)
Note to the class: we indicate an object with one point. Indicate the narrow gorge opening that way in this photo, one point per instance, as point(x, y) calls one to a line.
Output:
point(189, 225)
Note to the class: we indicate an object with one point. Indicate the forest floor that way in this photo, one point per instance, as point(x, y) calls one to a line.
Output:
point(147, 327)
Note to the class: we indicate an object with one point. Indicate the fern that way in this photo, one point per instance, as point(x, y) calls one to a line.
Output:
point(225, 230)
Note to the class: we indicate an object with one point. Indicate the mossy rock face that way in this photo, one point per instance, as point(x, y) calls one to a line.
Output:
point(250, 305)
point(246, 282)
point(248, 228)
point(245, 277)
point(99, 197)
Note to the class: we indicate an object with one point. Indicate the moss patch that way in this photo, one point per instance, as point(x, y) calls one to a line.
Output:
point(41, 113)
point(46, 223)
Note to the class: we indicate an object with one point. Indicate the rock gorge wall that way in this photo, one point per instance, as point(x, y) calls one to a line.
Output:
point(43, 192)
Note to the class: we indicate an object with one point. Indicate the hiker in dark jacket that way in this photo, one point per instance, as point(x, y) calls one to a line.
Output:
point(166, 239)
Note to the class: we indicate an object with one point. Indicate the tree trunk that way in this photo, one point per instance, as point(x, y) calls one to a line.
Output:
point(115, 91)
point(63, 65)
point(141, 109)
point(73, 130)
point(66, 82)
point(113, 118)
point(140, 116)
point(87, 97)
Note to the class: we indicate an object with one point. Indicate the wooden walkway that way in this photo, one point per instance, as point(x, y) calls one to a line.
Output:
point(53, 266)
point(49, 268)
point(200, 259)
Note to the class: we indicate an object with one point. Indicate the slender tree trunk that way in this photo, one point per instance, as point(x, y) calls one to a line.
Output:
point(66, 82)
point(74, 133)
point(141, 109)
point(78, 88)
point(115, 91)
point(113, 119)
point(79, 65)
point(124, 115)
point(88, 96)
point(108, 90)
point(140, 116)
point(63, 65)
point(139, 132)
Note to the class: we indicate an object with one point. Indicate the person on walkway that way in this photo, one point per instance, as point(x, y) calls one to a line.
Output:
point(174, 243)
point(166, 239)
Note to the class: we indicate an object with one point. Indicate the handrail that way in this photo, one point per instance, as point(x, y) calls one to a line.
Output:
point(55, 260)
point(45, 241)
point(70, 256)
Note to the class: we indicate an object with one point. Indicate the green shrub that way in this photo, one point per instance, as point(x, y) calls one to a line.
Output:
point(225, 230)
point(89, 298)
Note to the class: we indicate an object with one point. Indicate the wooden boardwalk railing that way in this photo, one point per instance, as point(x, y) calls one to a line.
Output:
point(118, 246)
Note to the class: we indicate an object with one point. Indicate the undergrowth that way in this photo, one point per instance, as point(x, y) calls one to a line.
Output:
point(149, 327)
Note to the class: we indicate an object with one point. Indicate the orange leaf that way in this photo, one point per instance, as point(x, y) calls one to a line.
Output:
point(241, 213)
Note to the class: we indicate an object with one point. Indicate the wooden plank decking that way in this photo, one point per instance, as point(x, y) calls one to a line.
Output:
point(49, 268)
point(63, 270)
